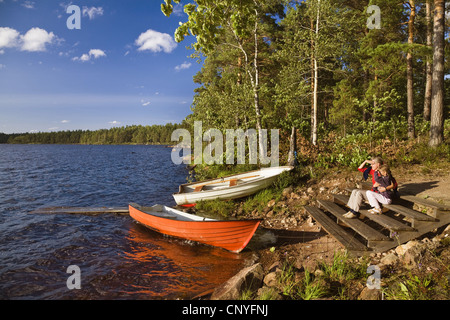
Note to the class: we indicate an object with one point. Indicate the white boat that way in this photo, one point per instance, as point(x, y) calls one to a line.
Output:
point(230, 187)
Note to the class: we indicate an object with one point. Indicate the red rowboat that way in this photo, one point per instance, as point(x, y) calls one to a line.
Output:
point(232, 235)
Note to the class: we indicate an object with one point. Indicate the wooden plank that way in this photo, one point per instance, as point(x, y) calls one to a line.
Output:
point(82, 210)
point(425, 202)
point(347, 240)
point(422, 227)
point(341, 198)
point(415, 215)
point(360, 227)
point(199, 188)
point(387, 222)
point(434, 206)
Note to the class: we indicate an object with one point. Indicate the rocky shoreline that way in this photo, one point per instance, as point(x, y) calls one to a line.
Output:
point(307, 251)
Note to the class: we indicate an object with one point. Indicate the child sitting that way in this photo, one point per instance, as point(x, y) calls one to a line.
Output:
point(385, 190)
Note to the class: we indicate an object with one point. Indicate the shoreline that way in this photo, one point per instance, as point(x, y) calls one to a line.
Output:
point(303, 249)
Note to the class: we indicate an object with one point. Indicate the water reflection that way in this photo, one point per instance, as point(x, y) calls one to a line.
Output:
point(173, 268)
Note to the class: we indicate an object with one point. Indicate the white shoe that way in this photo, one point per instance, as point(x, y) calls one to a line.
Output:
point(349, 215)
point(375, 211)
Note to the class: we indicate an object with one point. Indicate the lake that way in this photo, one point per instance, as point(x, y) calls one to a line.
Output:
point(117, 257)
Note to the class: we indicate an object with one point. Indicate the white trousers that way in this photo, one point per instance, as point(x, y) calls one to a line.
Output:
point(376, 198)
point(356, 199)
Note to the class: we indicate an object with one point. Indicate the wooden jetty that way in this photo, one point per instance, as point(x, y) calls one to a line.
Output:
point(378, 233)
point(82, 210)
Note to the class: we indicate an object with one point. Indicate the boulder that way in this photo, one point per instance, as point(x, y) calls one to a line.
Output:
point(414, 256)
point(370, 294)
point(401, 249)
point(389, 259)
point(270, 279)
point(248, 278)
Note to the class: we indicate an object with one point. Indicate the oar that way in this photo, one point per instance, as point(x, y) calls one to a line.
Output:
point(82, 210)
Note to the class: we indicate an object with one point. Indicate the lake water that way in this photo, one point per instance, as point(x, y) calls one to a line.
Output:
point(118, 258)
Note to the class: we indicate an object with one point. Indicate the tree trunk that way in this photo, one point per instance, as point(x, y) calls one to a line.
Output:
point(314, 129)
point(312, 80)
point(437, 96)
point(256, 84)
point(409, 72)
point(429, 65)
point(292, 147)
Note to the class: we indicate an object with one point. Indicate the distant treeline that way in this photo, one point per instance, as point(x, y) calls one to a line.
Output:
point(155, 134)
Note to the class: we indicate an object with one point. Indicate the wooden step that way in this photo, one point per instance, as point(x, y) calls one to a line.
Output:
point(346, 239)
point(409, 213)
point(415, 215)
point(341, 198)
point(387, 222)
point(436, 207)
point(382, 219)
point(371, 235)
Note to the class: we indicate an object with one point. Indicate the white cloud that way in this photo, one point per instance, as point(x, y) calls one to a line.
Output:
point(28, 4)
point(97, 53)
point(92, 12)
point(114, 122)
point(178, 10)
point(184, 65)
point(2, 66)
point(36, 39)
point(145, 103)
point(155, 41)
point(65, 121)
point(8, 37)
point(93, 54)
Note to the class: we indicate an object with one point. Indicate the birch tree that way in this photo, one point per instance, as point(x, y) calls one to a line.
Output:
point(409, 71)
point(437, 96)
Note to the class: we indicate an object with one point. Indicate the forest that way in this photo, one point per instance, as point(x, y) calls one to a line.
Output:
point(155, 134)
point(338, 77)
point(342, 78)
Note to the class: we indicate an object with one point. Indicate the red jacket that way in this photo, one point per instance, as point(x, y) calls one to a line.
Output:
point(366, 171)
point(371, 172)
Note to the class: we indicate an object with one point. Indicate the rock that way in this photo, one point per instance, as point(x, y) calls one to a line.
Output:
point(413, 256)
point(270, 214)
point(370, 294)
point(389, 259)
point(401, 249)
point(319, 273)
point(270, 279)
point(271, 203)
point(248, 278)
point(294, 196)
point(287, 191)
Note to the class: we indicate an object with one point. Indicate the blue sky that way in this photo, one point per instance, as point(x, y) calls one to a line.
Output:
point(121, 68)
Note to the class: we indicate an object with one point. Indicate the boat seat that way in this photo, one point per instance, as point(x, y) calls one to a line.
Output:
point(233, 182)
point(199, 188)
